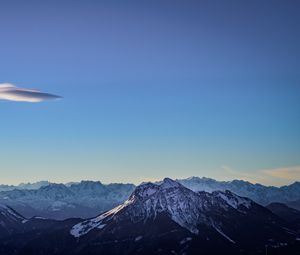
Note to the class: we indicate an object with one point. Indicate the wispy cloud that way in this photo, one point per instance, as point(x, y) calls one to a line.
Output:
point(12, 93)
point(286, 173)
point(274, 176)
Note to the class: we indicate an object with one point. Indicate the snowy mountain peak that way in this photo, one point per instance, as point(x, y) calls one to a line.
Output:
point(147, 189)
point(183, 206)
point(169, 183)
point(233, 200)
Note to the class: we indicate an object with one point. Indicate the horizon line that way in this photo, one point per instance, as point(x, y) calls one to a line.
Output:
point(137, 184)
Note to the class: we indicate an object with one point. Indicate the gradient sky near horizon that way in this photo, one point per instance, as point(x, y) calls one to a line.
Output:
point(151, 89)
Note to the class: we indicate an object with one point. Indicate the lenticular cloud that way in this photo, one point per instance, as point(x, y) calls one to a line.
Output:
point(12, 93)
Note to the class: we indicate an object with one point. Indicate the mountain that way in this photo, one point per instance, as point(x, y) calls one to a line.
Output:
point(169, 218)
point(290, 215)
point(16, 231)
point(164, 218)
point(10, 221)
point(261, 194)
point(89, 198)
point(294, 204)
point(58, 201)
point(21, 186)
point(285, 212)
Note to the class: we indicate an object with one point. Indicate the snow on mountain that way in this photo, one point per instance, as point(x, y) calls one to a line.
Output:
point(9, 213)
point(259, 193)
point(168, 218)
point(233, 200)
point(159, 218)
point(184, 206)
point(35, 185)
point(58, 201)
point(10, 220)
point(88, 198)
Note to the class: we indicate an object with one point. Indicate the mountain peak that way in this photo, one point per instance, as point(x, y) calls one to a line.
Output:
point(169, 183)
point(171, 201)
point(87, 182)
point(147, 189)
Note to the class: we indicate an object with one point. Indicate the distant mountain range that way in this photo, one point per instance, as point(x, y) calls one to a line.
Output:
point(59, 201)
point(88, 198)
point(159, 218)
point(261, 194)
point(21, 186)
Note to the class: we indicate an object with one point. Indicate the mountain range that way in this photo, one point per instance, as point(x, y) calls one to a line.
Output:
point(21, 186)
point(60, 201)
point(89, 198)
point(159, 218)
point(264, 195)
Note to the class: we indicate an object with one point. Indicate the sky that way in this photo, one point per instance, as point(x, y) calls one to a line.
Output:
point(151, 89)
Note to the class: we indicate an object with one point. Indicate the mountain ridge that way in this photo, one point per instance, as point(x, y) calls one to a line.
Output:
point(89, 198)
point(39, 184)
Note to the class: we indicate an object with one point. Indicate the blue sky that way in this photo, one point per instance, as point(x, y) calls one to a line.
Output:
point(166, 88)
